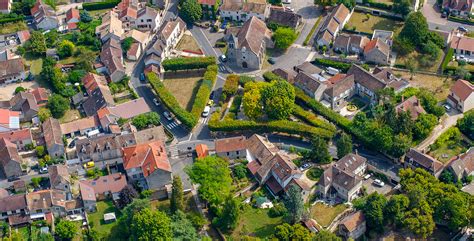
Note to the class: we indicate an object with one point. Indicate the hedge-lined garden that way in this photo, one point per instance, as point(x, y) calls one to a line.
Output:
point(189, 119)
point(176, 64)
point(343, 67)
point(312, 119)
point(100, 5)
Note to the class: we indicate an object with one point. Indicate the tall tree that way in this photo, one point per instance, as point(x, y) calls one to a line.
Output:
point(213, 176)
point(252, 100)
point(325, 235)
point(415, 29)
point(401, 7)
point(58, 105)
point(191, 11)
point(177, 200)
point(319, 152)
point(66, 49)
point(395, 209)
point(278, 100)
point(466, 124)
point(420, 220)
point(66, 229)
point(36, 45)
point(147, 225)
point(284, 37)
point(373, 211)
point(182, 227)
point(294, 204)
point(344, 145)
point(228, 218)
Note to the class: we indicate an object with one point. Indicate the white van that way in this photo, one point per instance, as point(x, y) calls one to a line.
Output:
point(206, 111)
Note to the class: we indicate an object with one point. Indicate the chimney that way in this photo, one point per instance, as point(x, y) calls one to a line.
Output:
point(403, 98)
point(357, 152)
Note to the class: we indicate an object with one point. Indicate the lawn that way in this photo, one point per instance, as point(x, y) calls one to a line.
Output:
point(188, 42)
point(314, 173)
point(256, 222)
point(70, 115)
point(164, 205)
point(362, 24)
point(438, 85)
point(401, 60)
point(325, 214)
point(444, 153)
point(96, 220)
point(25, 232)
point(13, 27)
point(184, 89)
point(35, 64)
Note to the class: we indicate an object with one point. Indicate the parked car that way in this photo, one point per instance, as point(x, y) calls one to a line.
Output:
point(206, 111)
point(224, 24)
point(271, 60)
point(223, 58)
point(72, 144)
point(463, 29)
point(168, 115)
point(43, 170)
point(287, 1)
point(305, 166)
point(379, 183)
point(367, 176)
point(156, 102)
point(142, 77)
point(90, 164)
point(211, 96)
point(444, 15)
point(447, 107)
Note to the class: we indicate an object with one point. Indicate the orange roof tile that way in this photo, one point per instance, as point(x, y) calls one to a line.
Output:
point(148, 156)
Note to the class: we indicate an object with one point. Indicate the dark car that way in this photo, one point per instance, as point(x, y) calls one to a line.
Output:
point(72, 144)
point(212, 95)
point(271, 60)
point(444, 14)
point(463, 29)
point(142, 77)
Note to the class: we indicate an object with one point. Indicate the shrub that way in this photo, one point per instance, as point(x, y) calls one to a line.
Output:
point(447, 59)
point(244, 79)
point(100, 5)
point(278, 210)
point(170, 102)
point(231, 85)
point(11, 20)
point(187, 63)
point(311, 118)
point(270, 76)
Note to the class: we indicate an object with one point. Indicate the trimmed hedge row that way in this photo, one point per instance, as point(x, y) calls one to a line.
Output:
point(187, 63)
point(461, 20)
point(447, 59)
point(343, 67)
point(11, 20)
point(378, 5)
point(284, 126)
point(204, 91)
point(171, 103)
point(312, 119)
point(100, 5)
point(270, 76)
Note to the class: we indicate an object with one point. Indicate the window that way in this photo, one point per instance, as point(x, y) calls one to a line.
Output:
point(228, 153)
point(237, 152)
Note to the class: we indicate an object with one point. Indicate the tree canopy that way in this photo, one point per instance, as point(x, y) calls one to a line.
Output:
point(278, 99)
point(320, 151)
point(213, 176)
point(66, 229)
point(36, 45)
point(294, 204)
point(191, 11)
point(344, 145)
point(58, 105)
point(177, 201)
point(147, 225)
point(284, 37)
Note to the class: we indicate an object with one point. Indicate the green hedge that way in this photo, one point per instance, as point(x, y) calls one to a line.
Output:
point(447, 59)
point(312, 119)
point(283, 126)
point(204, 91)
point(171, 103)
point(461, 20)
point(100, 5)
point(187, 63)
point(270, 76)
point(231, 85)
point(343, 67)
point(379, 5)
point(11, 20)
point(311, 32)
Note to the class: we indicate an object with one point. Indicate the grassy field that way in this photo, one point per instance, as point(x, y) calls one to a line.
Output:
point(13, 27)
point(368, 25)
point(184, 89)
point(256, 222)
point(437, 84)
point(187, 42)
point(324, 214)
point(70, 115)
point(97, 218)
point(416, 56)
point(469, 67)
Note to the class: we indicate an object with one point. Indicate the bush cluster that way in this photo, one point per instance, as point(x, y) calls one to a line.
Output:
point(378, 5)
point(343, 67)
point(176, 64)
point(100, 5)
point(270, 76)
point(231, 85)
point(168, 99)
point(312, 119)
point(11, 20)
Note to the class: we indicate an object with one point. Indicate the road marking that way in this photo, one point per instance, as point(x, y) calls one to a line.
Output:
point(191, 135)
point(310, 56)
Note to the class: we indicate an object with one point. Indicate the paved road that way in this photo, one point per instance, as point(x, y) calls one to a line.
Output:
point(435, 21)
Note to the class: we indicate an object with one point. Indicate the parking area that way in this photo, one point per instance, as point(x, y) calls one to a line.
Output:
point(7, 91)
point(178, 165)
point(371, 187)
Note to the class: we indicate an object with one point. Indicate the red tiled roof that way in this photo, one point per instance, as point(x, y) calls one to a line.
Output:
point(464, 43)
point(230, 144)
point(17, 135)
point(207, 2)
point(133, 49)
point(148, 156)
point(273, 185)
point(71, 26)
point(72, 13)
point(4, 4)
point(113, 183)
point(462, 89)
point(202, 150)
point(40, 94)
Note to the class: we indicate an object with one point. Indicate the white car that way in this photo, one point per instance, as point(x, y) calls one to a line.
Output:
point(168, 115)
point(367, 176)
point(156, 102)
point(206, 111)
point(379, 183)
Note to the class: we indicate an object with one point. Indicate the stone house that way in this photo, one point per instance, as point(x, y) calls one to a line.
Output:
point(13, 205)
point(334, 23)
point(25, 103)
point(111, 27)
point(111, 57)
point(21, 138)
point(232, 148)
point(59, 178)
point(353, 226)
point(416, 159)
point(53, 137)
point(5, 6)
point(463, 165)
point(461, 96)
point(239, 10)
point(377, 51)
point(10, 160)
point(44, 16)
point(12, 70)
point(247, 47)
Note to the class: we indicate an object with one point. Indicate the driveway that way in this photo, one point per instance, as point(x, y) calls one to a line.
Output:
point(435, 21)
point(178, 165)
point(447, 121)
point(370, 187)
